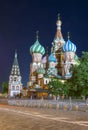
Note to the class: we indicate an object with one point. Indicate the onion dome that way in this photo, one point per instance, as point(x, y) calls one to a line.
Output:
point(37, 47)
point(69, 46)
point(52, 58)
point(41, 71)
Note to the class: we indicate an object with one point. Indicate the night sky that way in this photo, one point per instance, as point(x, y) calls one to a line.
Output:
point(19, 21)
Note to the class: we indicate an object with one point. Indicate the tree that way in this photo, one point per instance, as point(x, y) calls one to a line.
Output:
point(56, 87)
point(5, 87)
point(79, 80)
point(53, 87)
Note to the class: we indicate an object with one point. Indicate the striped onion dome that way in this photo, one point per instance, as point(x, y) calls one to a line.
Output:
point(41, 71)
point(37, 48)
point(69, 47)
point(52, 58)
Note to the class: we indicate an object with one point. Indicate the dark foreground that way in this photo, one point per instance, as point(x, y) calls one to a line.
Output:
point(22, 118)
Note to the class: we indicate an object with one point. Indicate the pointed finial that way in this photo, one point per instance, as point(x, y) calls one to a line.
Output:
point(58, 23)
point(58, 16)
point(15, 53)
point(68, 35)
point(37, 34)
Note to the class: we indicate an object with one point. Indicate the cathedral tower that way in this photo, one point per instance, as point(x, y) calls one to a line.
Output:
point(57, 45)
point(69, 50)
point(15, 84)
point(36, 66)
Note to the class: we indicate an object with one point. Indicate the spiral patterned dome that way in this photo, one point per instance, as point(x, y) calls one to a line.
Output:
point(37, 48)
point(69, 47)
point(52, 58)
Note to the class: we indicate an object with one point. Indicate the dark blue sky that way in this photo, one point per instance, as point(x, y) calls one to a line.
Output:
point(20, 19)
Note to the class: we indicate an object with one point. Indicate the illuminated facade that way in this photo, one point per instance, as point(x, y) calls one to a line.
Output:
point(43, 66)
point(55, 65)
point(15, 84)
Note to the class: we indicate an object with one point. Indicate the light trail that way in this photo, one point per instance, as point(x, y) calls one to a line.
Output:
point(49, 117)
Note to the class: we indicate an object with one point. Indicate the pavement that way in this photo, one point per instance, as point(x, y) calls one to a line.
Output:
point(26, 118)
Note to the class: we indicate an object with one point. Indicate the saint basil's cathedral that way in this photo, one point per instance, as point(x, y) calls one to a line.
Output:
point(44, 67)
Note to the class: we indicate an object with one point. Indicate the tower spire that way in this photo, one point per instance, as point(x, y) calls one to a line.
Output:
point(58, 40)
point(15, 53)
point(15, 59)
point(37, 32)
point(58, 16)
point(68, 35)
point(15, 68)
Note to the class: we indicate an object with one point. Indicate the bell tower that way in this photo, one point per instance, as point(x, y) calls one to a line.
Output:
point(15, 84)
